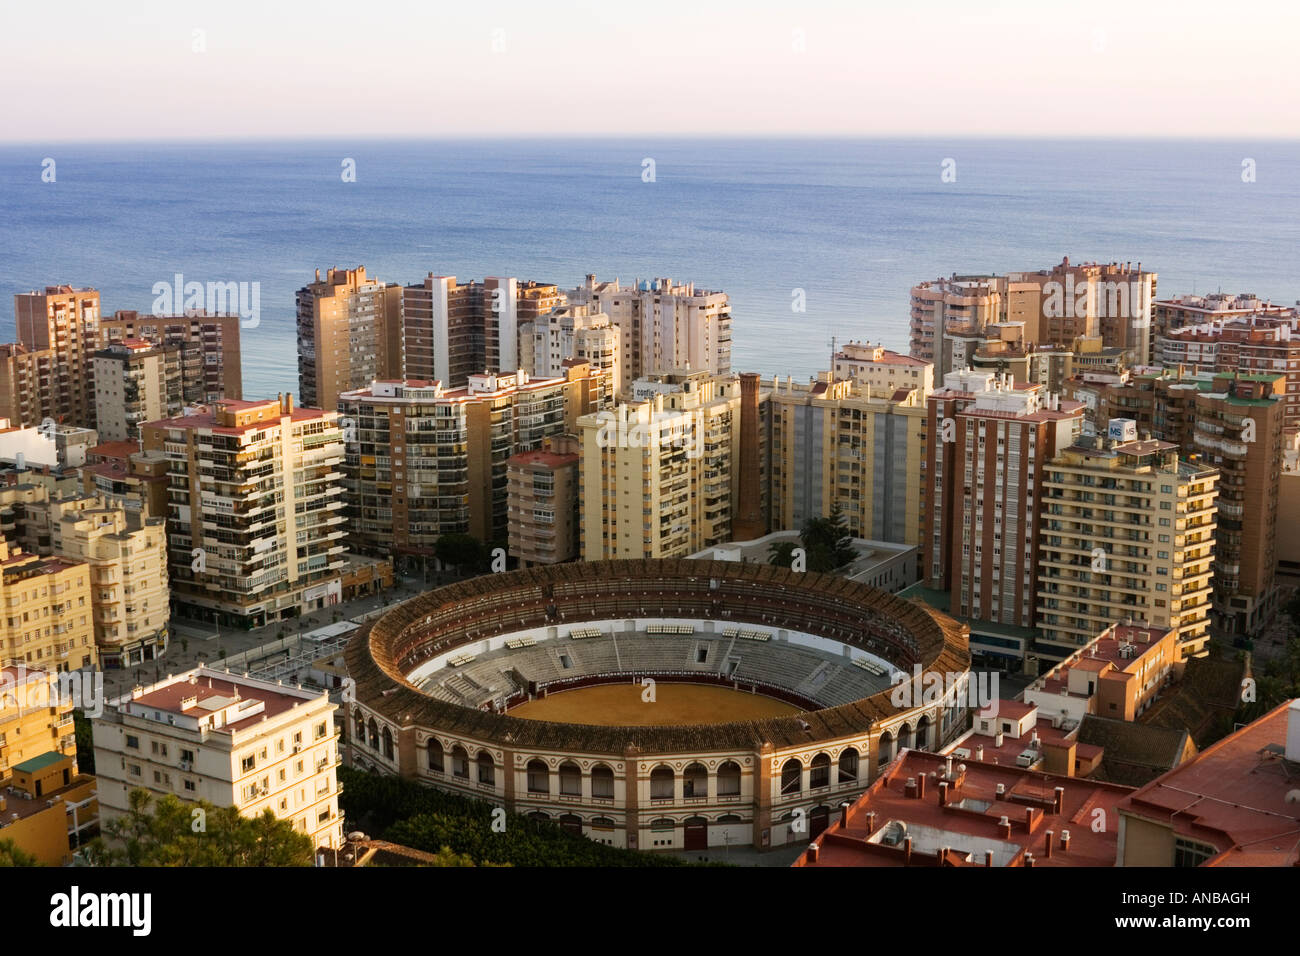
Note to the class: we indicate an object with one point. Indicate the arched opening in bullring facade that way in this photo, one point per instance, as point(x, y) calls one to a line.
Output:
point(923, 733)
point(487, 771)
point(388, 744)
point(729, 779)
point(695, 781)
point(459, 762)
point(905, 737)
point(374, 735)
point(662, 782)
point(791, 777)
point(819, 774)
point(884, 751)
point(359, 720)
point(602, 782)
point(539, 777)
point(434, 750)
point(570, 779)
point(571, 822)
point(818, 820)
point(848, 765)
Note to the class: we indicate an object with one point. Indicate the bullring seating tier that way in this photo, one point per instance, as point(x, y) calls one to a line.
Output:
point(817, 676)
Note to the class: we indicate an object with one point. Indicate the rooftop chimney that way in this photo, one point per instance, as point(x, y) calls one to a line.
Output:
point(988, 857)
point(907, 850)
point(844, 814)
point(871, 822)
point(920, 786)
point(1065, 841)
point(1047, 843)
point(1004, 828)
point(979, 752)
point(943, 794)
point(1058, 799)
point(813, 852)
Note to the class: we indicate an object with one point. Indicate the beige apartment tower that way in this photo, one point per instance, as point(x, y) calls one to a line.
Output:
point(349, 334)
point(65, 321)
point(1128, 536)
point(836, 443)
point(135, 382)
point(255, 522)
point(657, 477)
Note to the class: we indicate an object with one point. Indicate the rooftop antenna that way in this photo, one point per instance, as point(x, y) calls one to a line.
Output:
point(834, 344)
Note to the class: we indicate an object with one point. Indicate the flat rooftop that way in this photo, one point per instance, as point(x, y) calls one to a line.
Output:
point(963, 827)
point(1234, 794)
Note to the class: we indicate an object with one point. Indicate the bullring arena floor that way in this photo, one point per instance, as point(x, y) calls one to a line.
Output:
point(620, 705)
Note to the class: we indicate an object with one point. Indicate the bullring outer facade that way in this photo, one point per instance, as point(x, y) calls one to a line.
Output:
point(436, 678)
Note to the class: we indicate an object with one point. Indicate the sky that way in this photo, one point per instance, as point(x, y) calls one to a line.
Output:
point(170, 70)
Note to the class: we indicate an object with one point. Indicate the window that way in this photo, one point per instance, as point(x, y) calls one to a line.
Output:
point(320, 731)
point(791, 776)
point(248, 765)
point(486, 769)
point(434, 750)
point(189, 785)
point(662, 783)
point(1190, 853)
point(729, 779)
point(539, 777)
point(602, 782)
point(132, 742)
point(820, 773)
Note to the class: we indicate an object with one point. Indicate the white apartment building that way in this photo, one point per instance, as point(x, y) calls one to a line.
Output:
point(230, 740)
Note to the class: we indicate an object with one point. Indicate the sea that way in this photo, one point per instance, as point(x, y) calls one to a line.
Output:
point(813, 240)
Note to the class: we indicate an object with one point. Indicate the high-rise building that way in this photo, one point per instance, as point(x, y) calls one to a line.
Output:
point(542, 502)
point(256, 520)
point(47, 618)
point(834, 443)
point(135, 382)
point(569, 332)
point(127, 555)
point(29, 385)
point(349, 334)
point(233, 741)
point(987, 442)
point(66, 321)
point(1239, 431)
point(1128, 535)
point(1057, 306)
point(452, 331)
point(424, 460)
point(657, 476)
point(663, 327)
point(208, 344)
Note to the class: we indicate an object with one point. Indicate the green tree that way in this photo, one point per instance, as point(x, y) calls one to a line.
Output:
point(780, 553)
point(828, 542)
point(12, 855)
point(459, 551)
point(168, 832)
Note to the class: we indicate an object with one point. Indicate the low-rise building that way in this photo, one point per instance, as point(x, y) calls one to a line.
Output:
point(233, 741)
point(1233, 805)
point(48, 808)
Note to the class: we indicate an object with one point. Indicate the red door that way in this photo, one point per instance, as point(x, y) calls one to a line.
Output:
point(697, 833)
